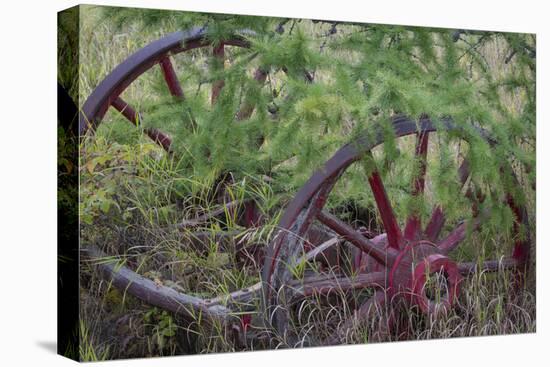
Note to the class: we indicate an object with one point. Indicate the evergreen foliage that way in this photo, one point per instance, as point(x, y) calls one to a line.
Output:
point(363, 75)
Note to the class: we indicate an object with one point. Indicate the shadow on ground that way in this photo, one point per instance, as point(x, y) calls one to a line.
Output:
point(48, 345)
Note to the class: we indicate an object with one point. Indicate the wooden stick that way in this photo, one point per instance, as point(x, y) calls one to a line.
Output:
point(211, 214)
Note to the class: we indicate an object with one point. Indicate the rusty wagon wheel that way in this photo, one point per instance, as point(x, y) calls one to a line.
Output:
point(401, 258)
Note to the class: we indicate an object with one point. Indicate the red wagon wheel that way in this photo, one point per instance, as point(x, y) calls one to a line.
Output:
point(161, 52)
point(108, 93)
point(404, 255)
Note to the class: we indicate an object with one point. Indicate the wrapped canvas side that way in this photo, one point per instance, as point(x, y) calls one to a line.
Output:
point(67, 178)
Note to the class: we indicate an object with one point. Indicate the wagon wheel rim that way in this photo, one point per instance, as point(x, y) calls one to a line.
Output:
point(308, 203)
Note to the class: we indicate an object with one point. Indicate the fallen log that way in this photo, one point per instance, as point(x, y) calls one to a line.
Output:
point(155, 294)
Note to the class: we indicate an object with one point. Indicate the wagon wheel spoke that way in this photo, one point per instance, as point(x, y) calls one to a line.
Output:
point(437, 219)
point(315, 206)
point(464, 171)
point(160, 138)
point(435, 224)
point(134, 117)
point(382, 255)
point(318, 251)
point(328, 283)
point(506, 263)
point(384, 206)
point(475, 198)
point(521, 250)
point(412, 228)
point(260, 75)
point(126, 110)
point(458, 234)
point(170, 77)
point(219, 54)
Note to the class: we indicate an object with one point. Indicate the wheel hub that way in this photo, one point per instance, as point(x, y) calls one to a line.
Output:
point(413, 271)
point(435, 264)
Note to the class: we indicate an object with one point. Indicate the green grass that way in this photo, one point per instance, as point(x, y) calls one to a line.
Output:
point(89, 351)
